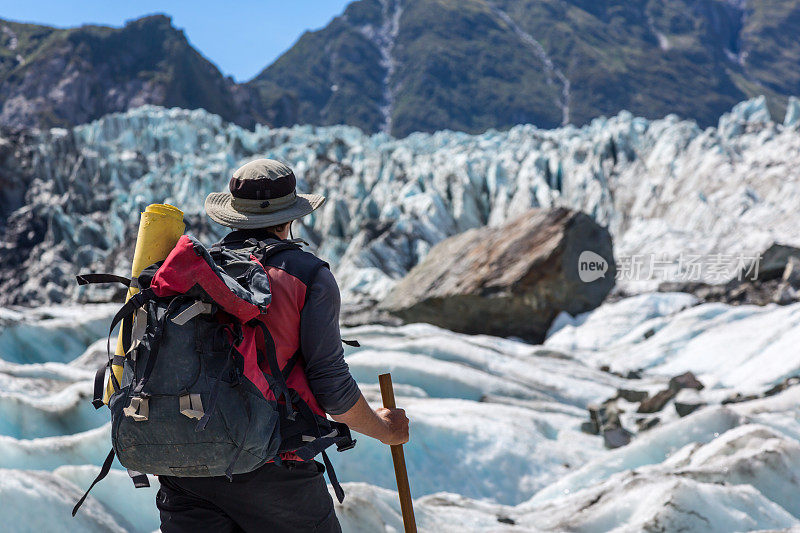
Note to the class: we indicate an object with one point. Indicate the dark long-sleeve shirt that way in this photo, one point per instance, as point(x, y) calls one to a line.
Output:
point(321, 344)
point(320, 340)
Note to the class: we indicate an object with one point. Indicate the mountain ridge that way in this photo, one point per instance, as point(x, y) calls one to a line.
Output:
point(424, 65)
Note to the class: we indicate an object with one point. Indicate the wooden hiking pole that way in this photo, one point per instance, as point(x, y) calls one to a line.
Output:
point(403, 488)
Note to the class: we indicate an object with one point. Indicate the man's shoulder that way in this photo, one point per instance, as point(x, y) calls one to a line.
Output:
point(269, 247)
point(298, 262)
point(296, 254)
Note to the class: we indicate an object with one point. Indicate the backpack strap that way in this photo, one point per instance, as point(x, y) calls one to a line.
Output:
point(126, 312)
point(124, 315)
point(337, 433)
point(337, 487)
point(203, 422)
point(104, 470)
point(306, 447)
point(98, 391)
point(92, 278)
point(269, 248)
point(153, 346)
point(139, 480)
point(99, 386)
point(275, 370)
point(290, 364)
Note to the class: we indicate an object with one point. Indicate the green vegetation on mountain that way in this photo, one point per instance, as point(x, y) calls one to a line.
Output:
point(60, 77)
point(422, 65)
point(476, 64)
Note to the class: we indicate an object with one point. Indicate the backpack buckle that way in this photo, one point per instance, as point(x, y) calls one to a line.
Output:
point(191, 405)
point(348, 444)
point(138, 409)
point(197, 308)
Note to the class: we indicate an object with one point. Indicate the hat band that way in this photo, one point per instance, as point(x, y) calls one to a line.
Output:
point(247, 205)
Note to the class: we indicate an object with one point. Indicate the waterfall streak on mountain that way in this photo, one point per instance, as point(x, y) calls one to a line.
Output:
point(384, 38)
point(550, 69)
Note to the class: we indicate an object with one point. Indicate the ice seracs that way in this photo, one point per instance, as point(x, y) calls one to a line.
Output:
point(667, 190)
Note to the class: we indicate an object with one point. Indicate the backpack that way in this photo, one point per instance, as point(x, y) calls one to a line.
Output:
point(192, 400)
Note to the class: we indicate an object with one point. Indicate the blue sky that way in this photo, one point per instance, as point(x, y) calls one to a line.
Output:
point(240, 37)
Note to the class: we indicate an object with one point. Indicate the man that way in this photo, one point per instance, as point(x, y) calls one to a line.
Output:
point(303, 319)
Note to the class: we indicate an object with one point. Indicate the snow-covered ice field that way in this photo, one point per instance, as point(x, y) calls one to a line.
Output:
point(496, 439)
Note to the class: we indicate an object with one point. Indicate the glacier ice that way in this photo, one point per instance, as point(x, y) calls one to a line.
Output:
point(30, 415)
point(751, 454)
point(134, 510)
point(650, 448)
point(496, 428)
point(496, 441)
point(480, 450)
point(745, 347)
point(41, 501)
point(47, 453)
point(51, 334)
point(40, 396)
point(734, 475)
point(665, 188)
point(446, 364)
point(610, 322)
point(792, 118)
point(662, 502)
point(743, 115)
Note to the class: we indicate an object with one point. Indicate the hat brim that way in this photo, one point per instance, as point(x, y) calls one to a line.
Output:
point(219, 207)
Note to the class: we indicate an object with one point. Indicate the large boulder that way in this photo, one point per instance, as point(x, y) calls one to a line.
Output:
point(510, 280)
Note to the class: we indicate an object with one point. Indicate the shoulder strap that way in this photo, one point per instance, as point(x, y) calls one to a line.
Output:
point(268, 249)
point(275, 369)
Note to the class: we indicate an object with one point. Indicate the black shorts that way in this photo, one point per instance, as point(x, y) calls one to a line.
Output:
point(292, 497)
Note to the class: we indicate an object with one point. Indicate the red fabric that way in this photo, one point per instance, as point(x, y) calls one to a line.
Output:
point(251, 370)
point(183, 269)
point(283, 321)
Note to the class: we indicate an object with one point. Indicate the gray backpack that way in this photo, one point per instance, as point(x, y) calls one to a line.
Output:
point(192, 400)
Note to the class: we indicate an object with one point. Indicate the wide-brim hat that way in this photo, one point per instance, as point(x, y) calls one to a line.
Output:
point(262, 193)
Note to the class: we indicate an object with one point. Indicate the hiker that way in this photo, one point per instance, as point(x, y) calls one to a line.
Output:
point(303, 317)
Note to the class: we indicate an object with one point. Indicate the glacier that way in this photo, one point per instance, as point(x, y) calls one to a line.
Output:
point(745, 347)
point(496, 439)
point(666, 189)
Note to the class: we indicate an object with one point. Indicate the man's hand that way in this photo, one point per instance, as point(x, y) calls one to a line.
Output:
point(390, 426)
point(396, 423)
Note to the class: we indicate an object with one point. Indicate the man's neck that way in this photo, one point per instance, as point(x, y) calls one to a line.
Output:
point(241, 235)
